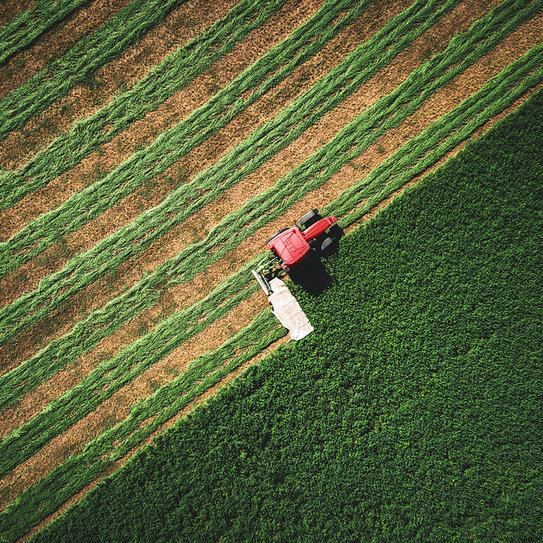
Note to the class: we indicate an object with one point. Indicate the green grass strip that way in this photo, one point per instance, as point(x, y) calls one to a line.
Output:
point(174, 73)
point(67, 479)
point(78, 64)
point(27, 26)
point(243, 160)
point(41, 429)
point(176, 142)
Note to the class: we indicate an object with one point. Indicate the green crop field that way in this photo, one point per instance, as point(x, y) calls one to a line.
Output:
point(146, 154)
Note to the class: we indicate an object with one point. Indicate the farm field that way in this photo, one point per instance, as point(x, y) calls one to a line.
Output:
point(147, 151)
point(418, 417)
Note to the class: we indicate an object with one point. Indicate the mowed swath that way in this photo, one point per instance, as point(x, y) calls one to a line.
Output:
point(211, 274)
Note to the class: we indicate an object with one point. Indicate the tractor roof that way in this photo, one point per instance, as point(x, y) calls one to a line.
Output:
point(290, 245)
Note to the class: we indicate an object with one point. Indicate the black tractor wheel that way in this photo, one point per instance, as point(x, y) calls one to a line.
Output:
point(326, 244)
point(309, 218)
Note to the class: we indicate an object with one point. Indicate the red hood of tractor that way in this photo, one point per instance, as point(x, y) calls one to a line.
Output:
point(291, 246)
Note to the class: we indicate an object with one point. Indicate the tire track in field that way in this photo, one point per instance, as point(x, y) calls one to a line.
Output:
point(131, 272)
point(54, 42)
point(203, 285)
point(121, 74)
point(141, 133)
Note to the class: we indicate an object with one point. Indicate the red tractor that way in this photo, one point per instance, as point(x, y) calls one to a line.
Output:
point(291, 246)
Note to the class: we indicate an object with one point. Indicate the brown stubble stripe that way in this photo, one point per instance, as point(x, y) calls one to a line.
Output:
point(28, 276)
point(53, 43)
point(182, 25)
point(10, 9)
point(185, 295)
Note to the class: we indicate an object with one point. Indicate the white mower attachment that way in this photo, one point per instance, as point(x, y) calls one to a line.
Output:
point(285, 306)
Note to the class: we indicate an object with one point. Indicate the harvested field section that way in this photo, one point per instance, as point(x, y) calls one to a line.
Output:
point(53, 44)
point(143, 132)
point(125, 267)
point(139, 134)
point(117, 76)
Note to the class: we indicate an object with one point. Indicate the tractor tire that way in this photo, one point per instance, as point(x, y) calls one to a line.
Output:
point(326, 244)
point(309, 218)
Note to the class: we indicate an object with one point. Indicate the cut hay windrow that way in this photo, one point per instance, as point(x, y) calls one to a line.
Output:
point(116, 372)
point(27, 26)
point(207, 186)
point(177, 142)
point(91, 53)
point(173, 74)
point(171, 272)
point(113, 444)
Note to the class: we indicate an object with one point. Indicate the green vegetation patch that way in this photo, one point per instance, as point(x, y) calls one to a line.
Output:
point(414, 410)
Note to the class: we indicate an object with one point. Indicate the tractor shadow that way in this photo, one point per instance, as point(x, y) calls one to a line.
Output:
point(311, 274)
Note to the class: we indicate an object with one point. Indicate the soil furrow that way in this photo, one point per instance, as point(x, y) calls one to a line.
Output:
point(119, 463)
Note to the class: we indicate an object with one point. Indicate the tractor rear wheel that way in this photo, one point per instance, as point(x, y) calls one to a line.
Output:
point(309, 218)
